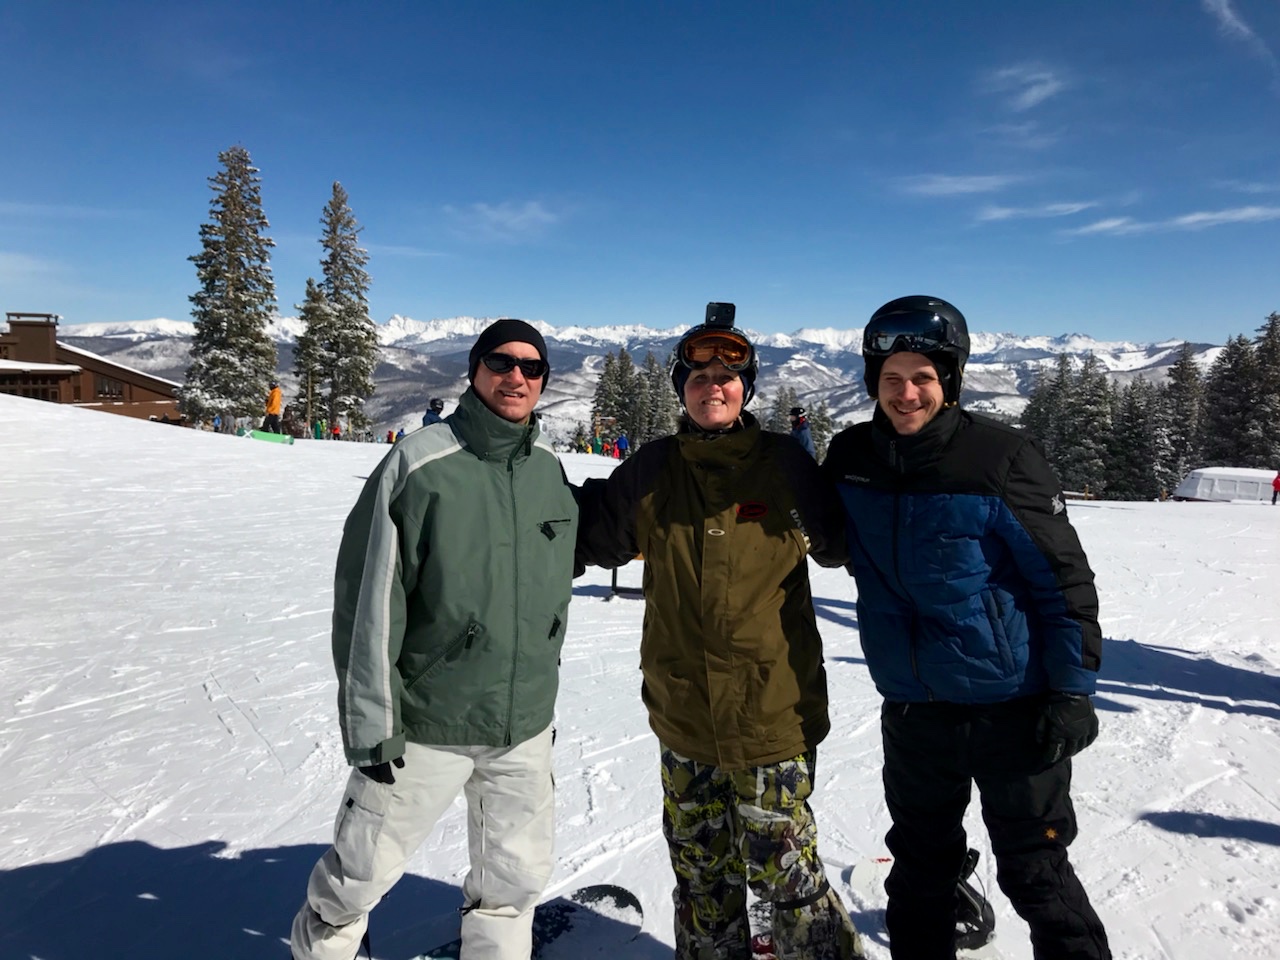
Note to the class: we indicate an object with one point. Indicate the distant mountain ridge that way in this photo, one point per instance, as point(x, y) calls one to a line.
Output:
point(428, 358)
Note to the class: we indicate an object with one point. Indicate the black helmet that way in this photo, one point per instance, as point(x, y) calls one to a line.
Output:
point(744, 361)
point(796, 412)
point(437, 404)
point(918, 324)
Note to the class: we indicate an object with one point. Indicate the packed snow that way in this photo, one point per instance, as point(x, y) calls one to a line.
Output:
point(173, 764)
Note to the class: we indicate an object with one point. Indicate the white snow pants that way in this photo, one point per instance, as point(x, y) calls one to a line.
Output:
point(510, 823)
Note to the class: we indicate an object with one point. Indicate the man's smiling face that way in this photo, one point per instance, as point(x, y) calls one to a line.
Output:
point(909, 391)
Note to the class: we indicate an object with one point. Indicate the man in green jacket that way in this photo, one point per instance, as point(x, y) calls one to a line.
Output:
point(450, 603)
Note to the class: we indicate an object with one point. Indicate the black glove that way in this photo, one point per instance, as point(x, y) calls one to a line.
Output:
point(382, 771)
point(1066, 726)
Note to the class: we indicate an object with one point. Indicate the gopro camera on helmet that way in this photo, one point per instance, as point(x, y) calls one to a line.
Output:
point(720, 315)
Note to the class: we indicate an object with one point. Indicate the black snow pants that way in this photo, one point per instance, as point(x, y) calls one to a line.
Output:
point(933, 752)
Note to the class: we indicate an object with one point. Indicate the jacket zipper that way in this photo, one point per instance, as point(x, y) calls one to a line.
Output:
point(463, 640)
point(515, 607)
point(915, 613)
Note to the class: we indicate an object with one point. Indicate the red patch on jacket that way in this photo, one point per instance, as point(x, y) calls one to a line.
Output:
point(752, 510)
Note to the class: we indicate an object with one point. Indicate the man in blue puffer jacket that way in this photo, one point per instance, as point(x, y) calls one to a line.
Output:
point(979, 622)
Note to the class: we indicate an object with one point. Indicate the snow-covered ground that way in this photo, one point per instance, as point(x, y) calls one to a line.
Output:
point(172, 763)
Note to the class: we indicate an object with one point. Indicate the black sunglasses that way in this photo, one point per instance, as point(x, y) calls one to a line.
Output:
point(534, 369)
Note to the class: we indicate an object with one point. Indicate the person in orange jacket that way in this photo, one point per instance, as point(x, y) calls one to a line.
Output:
point(275, 405)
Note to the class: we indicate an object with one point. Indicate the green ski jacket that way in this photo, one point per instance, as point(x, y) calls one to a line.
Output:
point(452, 589)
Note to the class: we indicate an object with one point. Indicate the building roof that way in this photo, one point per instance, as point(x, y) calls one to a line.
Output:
point(115, 363)
point(24, 366)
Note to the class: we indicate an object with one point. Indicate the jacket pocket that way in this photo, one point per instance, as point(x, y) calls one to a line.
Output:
point(359, 827)
point(452, 651)
point(554, 528)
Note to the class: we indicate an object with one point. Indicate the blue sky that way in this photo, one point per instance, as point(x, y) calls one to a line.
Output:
point(1051, 167)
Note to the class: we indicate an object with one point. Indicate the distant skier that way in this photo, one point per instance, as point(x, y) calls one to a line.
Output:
point(622, 446)
point(434, 412)
point(275, 404)
point(1275, 488)
point(800, 431)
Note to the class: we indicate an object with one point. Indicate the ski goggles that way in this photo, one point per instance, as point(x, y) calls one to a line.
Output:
point(917, 331)
point(732, 349)
point(534, 369)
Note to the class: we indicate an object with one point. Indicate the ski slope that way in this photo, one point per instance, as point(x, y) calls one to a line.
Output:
point(172, 761)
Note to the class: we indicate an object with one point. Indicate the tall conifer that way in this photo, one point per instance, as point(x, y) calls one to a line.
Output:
point(352, 348)
point(233, 357)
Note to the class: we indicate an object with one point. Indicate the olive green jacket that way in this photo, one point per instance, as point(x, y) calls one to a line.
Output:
point(452, 589)
point(731, 655)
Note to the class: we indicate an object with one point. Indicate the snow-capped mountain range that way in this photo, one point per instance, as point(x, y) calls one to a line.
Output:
point(424, 359)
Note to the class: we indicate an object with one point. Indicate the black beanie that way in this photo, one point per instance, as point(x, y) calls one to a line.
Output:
point(507, 331)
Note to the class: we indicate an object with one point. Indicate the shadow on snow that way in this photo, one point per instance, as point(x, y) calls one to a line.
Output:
point(1166, 673)
point(1212, 825)
point(134, 900)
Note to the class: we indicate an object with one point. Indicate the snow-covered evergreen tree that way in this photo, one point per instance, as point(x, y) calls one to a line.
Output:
point(233, 358)
point(1084, 448)
point(821, 428)
point(1047, 413)
point(607, 404)
point(1131, 465)
point(352, 350)
point(311, 354)
point(659, 399)
point(1264, 438)
point(1230, 399)
point(1184, 407)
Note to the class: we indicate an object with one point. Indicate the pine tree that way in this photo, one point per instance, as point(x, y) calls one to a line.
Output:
point(1183, 409)
point(777, 418)
point(607, 403)
point(1265, 438)
point(1132, 464)
point(664, 407)
point(1230, 396)
point(1048, 410)
point(352, 351)
point(311, 354)
point(233, 357)
point(629, 416)
point(822, 428)
point(1084, 448)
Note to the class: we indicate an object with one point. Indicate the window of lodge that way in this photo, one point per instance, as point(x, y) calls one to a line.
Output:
point(108, 389)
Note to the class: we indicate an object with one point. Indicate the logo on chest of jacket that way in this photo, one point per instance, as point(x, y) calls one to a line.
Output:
point(752, 509)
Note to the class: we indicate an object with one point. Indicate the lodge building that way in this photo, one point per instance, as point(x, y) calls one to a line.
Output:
point(34, 364)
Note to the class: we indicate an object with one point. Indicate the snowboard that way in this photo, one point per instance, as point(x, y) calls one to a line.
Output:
point(591, 922)
point(975, 919)
point(271, 437)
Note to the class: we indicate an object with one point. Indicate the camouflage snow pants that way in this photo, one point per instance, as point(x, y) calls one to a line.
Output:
point(730, 830)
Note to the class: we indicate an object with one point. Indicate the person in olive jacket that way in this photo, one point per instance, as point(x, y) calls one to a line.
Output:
point(726, 516)
point(450, 603)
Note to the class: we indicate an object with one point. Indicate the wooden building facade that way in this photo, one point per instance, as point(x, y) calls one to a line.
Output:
point(34, 364)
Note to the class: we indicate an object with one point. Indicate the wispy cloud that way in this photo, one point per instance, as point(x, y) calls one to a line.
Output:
point(15, 267)
point(398, 250)
point(1233, 26)
point(1025, 136)
point(1041, 211)
point(63, 211)
point(945, 185)
point(1025, 85)
point(1246, 186)
point(1120, 226)
point(507, 221)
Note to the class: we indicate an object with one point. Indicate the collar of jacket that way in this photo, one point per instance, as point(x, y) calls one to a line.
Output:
point(910, 453)
point(489, 436)
point(720, 449)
